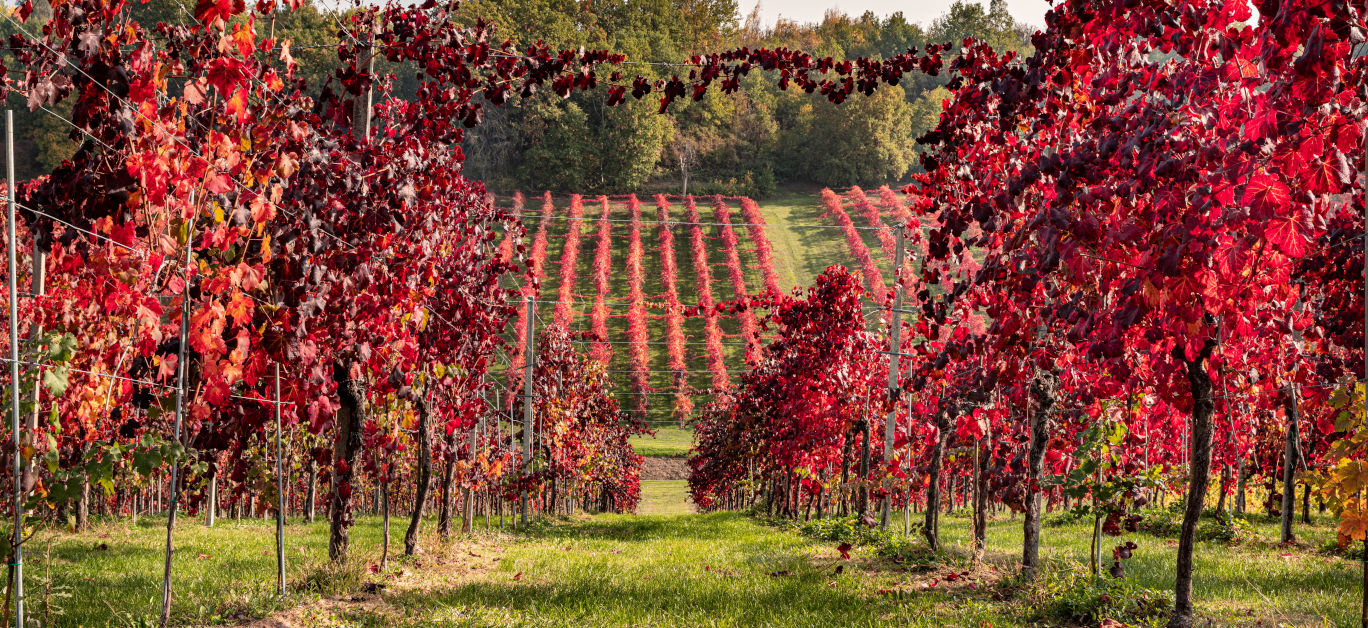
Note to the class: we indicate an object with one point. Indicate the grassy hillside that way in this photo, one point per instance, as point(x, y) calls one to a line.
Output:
point(667, 441)
point(800, 254)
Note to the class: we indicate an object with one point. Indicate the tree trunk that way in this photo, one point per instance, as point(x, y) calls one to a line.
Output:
point(467, 504)
point(350, 417)
point(1225, 488)
point(931, 525)
point(1043, 393)
point(211, 501)
point(951, 490)
point(310, 497)
point(384, 517)
point(1199, 380)
point(1240, 479)
point(980, 544)
point(845, 470)
point(1306, 504)
point(1289, 475)
point(864, 468)
point(83, 505)
point(448, 476)
point(424, 476)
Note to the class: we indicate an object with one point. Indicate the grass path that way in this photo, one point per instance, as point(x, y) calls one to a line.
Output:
point(665, 567)
point(666, 441)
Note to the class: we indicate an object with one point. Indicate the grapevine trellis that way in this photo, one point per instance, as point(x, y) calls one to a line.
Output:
point(658, 319)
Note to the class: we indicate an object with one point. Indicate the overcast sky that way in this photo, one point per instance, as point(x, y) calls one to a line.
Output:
point(920, 11)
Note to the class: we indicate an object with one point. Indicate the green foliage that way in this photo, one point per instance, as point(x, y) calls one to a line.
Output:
point(866, 141)
point(1062, 518)
point(1224, 528)
point(578, 144)
point(1100, 476)
point(911, 553)
point(330, 577)
point(147, 454)
point(746, 143)
point(1215, 526)
point(1070, 594)
point(1162, 523)
point(843, 530)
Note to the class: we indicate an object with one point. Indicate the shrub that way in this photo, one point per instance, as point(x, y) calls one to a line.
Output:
point(1071, 595)
point(329, 577)
point(1224, 528)
point(1215, 525)
point(843, 530)
point(1161, 522)
point(1061, 518)
point(911, 553)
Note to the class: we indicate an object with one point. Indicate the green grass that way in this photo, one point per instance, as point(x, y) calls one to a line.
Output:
point(217, 571)
point(664, 497)
point(801, 253)
point(670, 568)
point(667, 441)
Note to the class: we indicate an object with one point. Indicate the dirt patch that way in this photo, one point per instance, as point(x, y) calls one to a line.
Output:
point(662, 468)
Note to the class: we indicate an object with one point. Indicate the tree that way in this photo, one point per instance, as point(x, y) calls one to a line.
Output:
point(868, 141)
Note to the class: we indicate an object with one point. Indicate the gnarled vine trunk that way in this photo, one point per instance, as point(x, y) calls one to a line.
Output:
point(467, 501)
point(1289, 475)
point(931, 524)
point(1199, 380)
point(980, 545)
point(1043, 390)
point(448, 476)
point(350, 417)
point(420, 494)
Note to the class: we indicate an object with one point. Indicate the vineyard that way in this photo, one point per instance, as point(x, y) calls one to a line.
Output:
point(639, 279)
point(275, 356)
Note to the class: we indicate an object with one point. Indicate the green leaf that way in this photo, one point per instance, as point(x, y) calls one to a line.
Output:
point(1118, 433)
point(145, 461)
point(55, 381)
point(62, 348)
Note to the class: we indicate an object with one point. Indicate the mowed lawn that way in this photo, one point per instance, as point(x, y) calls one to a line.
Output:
point(666, 568)
point(666, 441)
point(664, 497)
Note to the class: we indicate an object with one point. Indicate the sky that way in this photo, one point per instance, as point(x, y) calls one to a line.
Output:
point(1031, 12)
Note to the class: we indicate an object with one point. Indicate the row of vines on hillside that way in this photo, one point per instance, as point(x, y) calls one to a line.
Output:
point(603, 257)
point(855, 243)
point(674, 315)
point(750, 330)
